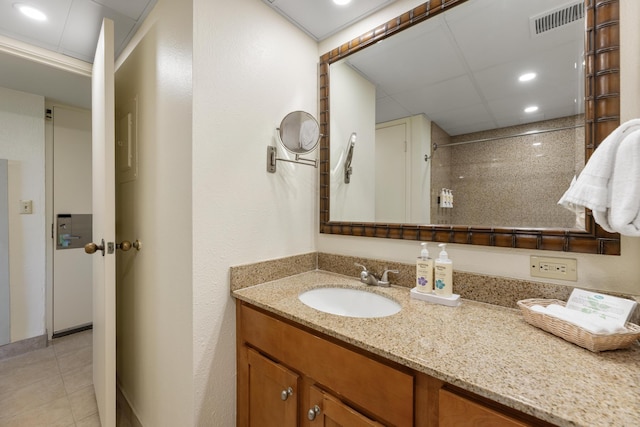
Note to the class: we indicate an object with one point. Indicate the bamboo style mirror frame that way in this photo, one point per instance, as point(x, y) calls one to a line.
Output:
point(602, 116)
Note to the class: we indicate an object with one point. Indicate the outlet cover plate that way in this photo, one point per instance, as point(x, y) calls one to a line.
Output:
point(554, 268)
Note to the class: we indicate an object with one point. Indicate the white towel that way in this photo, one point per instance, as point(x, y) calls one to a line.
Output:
point(623, 215)
point(588, 322)
point(599, 186)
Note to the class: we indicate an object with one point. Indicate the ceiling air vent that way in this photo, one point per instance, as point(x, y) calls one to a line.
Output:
point(556, 18)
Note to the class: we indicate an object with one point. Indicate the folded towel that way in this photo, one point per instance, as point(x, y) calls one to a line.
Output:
point(594, 188)
point(623, 215)
point(588, 322)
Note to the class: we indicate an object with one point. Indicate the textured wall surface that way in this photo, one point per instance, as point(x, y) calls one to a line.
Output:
point(251, 68)
point(515, 181)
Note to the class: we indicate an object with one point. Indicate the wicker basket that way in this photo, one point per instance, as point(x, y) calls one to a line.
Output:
point(573, 333)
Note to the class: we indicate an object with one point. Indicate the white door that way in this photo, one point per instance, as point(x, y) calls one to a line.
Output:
point(104, 230)
point(391, 173)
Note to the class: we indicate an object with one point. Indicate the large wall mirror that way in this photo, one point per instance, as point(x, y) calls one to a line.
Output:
point(445, 150)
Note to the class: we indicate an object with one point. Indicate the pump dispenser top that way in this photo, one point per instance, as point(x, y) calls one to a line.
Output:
point(444, 256)
point(424, 253)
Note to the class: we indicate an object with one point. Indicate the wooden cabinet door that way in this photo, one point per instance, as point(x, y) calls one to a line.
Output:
point(458, 411)
point(272, 393)
point(327, 411)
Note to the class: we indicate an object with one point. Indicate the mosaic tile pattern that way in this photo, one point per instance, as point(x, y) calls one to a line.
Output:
point(493, 181)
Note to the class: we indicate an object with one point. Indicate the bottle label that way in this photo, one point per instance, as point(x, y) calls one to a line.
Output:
point(424, 269)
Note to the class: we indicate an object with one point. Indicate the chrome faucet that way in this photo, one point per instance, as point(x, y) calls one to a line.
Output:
point(373, 279)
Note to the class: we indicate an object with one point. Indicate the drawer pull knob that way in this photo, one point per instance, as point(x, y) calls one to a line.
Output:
point(284, 395)
point(313, 413)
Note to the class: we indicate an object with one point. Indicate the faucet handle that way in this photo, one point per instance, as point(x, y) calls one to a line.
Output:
point(364, 269)
point(385, 278)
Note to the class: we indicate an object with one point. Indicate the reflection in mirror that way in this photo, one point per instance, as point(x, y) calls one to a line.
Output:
point(348, 169)
point(351, 210)
point(299, 132)
point(438, 83)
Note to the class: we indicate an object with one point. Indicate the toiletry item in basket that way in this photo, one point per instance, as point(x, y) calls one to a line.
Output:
point(424, 271)
point(586, 321)
point(615, 309)
point(443, 272)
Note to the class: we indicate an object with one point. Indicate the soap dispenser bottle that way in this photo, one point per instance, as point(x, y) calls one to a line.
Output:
point(424, 271)
point(443, 272)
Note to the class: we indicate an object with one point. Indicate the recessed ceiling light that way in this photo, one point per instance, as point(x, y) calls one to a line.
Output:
point(531, 109)
point(342, 2)
point(30, 12)
point(527, 76)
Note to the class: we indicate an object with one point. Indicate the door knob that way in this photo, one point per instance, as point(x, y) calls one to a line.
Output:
point(125, 245)
point(92, 248)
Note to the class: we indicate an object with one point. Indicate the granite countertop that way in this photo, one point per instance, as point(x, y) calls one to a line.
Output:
point(486, 349)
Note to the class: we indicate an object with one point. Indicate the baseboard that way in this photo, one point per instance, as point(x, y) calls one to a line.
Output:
point(70, 331)
point(23, 346)
point(124, 411)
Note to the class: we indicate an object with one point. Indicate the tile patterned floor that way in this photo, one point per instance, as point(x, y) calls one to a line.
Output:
point(50, 387)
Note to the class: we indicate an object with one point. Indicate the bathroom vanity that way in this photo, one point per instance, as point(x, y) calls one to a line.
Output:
point(427, 365)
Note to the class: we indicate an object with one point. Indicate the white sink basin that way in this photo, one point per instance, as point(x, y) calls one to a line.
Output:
point(349, 302)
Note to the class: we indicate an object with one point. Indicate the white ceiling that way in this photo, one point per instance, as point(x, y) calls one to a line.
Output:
point(461, 68)
point(72, 26)
point(71, 30)
point(322, 18)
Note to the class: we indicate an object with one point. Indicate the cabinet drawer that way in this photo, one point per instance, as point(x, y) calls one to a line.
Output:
point(374, 387)
point(458, 411)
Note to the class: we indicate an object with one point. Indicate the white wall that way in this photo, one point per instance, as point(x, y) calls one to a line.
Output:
point(251, 68)
point(616, 273)
point(22, 143)
point(154, 286)
point(356, 112)
point(5, 284)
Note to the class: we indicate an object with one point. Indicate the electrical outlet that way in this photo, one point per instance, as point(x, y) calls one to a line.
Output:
point(26, 207)
point(554, 268)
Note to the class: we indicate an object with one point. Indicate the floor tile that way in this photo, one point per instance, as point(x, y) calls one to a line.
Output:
point(32, 396)
point(75, 359)
point(83, 403)
point(37, 356)
point(90, 421)
point(72, 342)
point(26, 374)
point(78, 379)
point(52, 387)
point(53, 414)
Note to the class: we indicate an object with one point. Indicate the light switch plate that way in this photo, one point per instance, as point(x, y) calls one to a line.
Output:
point(554, 268)
point(26, 207)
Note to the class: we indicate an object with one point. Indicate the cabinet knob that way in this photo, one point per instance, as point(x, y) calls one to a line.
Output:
point(284, 395)
point(313, 413)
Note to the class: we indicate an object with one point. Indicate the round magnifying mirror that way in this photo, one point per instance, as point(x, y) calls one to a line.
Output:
point(299, 132)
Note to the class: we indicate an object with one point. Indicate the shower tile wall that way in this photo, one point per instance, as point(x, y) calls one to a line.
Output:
point(440, 173)
point(513, 181)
